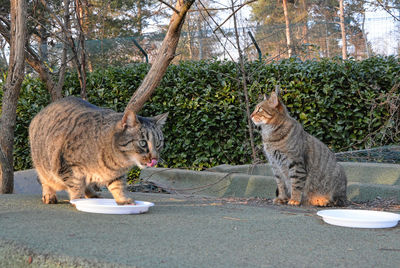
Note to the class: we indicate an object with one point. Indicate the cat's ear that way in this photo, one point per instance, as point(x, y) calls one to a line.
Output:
point(278, 90)
point(161, 119)
point(129, 119)
point(265, 96)
point(274, 99)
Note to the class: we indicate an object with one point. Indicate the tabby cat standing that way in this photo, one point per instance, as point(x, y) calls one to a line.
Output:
point(75, 144)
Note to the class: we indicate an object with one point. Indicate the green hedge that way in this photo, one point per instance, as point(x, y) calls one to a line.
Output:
point(340, 102)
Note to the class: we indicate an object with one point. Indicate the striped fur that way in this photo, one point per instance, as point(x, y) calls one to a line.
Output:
point(305, 169)
point(75, 144)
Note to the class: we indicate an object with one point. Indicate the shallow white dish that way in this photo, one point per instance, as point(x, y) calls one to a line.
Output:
point(359, 218)
point(109, 206)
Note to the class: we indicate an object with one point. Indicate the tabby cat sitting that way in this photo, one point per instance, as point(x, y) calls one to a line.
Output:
point(75, 144)
point(305, 170)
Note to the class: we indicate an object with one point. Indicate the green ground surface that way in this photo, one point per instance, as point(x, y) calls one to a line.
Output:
point(184, 231)
point(195, 228)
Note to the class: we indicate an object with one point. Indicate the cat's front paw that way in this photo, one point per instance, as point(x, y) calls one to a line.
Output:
point(49, 199)
point(293, 202)
point(280, 201)
point(127, 201)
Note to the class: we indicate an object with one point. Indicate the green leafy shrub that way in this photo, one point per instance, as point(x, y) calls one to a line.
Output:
point(343, 103)
point(32, 99)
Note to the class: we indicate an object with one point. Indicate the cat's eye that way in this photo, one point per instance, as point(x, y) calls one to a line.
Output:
point(125, 143)
point(260, 110)
point(158, 143)
point(142, 143)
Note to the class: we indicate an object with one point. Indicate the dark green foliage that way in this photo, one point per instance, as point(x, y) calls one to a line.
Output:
point(343, 103)
point(206, 124)
point(32, 99)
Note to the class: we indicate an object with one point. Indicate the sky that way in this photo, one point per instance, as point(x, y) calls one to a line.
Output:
point(382, 31)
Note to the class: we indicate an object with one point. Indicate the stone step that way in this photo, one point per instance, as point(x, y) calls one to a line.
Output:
point(366, 181)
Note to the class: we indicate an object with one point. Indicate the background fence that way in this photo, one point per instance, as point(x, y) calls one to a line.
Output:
point(209, 32)
point(381, 37)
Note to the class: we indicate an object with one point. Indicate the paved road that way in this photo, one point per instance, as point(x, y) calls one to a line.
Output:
point(181, 231)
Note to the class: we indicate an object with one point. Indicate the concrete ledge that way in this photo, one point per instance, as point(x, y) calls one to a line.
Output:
point(366, 181)
point(208, 183)
point(25, 182)
point(259, 169)
point(373, 173)
point(365, 191)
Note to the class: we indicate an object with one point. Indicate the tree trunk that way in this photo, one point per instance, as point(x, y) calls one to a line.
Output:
point(343, 30)
point(33, 60)
point(189, 34)
point(81, 64)
point(305, 26)
point(164, 56)
point(140, 18)
point(11, 91)
point(43, 50)
point(88, 31)
point(63, 65)
point(364, 35)
point(327, 50)
point(200, 38)
point(288, 39)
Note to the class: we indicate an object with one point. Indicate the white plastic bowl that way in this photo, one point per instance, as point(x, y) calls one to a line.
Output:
point(359, 218)
point(109, 206)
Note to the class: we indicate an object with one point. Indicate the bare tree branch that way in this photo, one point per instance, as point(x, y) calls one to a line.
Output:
point(240, 66)
point(63, 66)
point(244, 84)
point(220, 8)
point(218, 26)
point(387, 10)
point(65, 30)
point(168, 5)
point(79, 59)
point(216, 36)
point(34, 61)
point(233, 13)
point(81, 39)
point(164, 56)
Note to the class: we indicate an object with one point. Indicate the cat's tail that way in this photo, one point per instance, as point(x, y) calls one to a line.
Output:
point(340, 195)
point(325, 200)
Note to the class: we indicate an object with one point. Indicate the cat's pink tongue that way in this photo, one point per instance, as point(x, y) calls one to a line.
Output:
point(152, 163)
